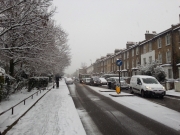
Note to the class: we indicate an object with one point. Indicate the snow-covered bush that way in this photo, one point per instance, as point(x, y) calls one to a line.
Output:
point(153, 69)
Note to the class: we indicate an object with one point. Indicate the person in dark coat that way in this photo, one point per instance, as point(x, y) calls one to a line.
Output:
point(57, 81)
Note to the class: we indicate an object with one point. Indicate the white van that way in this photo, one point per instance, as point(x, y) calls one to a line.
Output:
point(146, 85)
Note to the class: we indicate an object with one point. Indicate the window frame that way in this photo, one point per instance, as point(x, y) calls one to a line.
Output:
point(159, 42)
point(144, 49)
point(132, 51)
point(168, 56)
point(144, 61)
point(160, 58)
point(150, 59)
point(137, 51)
point(150, 46)
point(168, 39)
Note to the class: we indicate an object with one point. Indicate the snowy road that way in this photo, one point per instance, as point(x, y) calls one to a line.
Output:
point(53, 115)
point(125, 114)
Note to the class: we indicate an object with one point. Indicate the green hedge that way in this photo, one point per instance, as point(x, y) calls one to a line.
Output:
point(38, 82)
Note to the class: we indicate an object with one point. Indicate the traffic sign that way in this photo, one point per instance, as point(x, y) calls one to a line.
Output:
point(119, 62)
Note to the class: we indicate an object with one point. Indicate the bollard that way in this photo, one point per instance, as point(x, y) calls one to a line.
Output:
point(118, 90)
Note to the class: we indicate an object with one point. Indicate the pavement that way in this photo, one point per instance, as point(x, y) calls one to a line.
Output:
point(172, 93)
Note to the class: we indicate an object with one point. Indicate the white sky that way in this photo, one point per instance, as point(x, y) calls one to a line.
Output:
point(98, 27)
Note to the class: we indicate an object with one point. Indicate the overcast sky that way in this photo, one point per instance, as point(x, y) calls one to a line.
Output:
point(98, 27)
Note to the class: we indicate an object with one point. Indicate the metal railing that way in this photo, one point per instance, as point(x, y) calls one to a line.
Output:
point(24, 100)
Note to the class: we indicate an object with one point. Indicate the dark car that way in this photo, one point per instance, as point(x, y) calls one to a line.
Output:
point(95, 81)
point(114, 81)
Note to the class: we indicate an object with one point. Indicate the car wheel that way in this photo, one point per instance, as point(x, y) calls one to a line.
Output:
point(142, 93)
point(131, 90)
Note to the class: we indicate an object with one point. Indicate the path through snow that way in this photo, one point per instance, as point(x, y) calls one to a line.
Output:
point(53, 115)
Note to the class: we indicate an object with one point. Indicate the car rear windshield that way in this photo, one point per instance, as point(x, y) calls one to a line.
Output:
point(149, 81)
point(117, 80)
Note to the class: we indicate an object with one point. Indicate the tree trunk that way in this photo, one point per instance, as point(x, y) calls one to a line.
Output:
point(11, 67)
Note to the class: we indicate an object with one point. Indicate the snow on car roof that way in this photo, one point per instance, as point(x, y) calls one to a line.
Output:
point(143, 76)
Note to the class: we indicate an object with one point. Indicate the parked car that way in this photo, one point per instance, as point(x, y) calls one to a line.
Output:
point(95, 81)
point(103, 81)
point(114, 81)
point(86, 81)
point(146, 85)
point(69, 81)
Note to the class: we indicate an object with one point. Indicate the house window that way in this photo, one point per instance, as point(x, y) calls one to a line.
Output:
point(137, 62)
point(150, 59)
point(132, 63)
point(126, 74)
point(137, 51)
point(150, 46)
point(168, 56)
point(124, 56)
point(169, 73)
point(127, 54)
point(144, 61)
point(127, 64)
point(160, 58)
point(159, 42)
point(168, 39)
point(124, 65)
point(132, 52)
point(144, 49)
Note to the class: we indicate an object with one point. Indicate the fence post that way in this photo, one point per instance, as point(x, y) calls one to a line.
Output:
point(32, 96)
point(37, 93)
point(12, 110)
point(24, 102)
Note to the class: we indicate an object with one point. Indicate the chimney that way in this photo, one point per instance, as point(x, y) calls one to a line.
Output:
point(149, 35)
point(129, 44)
point(117, 50)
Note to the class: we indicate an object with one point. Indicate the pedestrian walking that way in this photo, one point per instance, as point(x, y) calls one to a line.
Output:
point(57, 81)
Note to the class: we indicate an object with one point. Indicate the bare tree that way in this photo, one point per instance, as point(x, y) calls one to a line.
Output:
point(30, 43)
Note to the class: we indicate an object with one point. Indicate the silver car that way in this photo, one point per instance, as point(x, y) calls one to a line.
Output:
point(114, 81)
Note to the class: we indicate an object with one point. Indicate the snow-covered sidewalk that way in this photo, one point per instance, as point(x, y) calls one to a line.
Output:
point(172, 93)
point(7, 118)
point(54, 114)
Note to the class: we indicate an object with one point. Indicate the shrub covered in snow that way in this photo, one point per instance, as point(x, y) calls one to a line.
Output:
point(153, 69)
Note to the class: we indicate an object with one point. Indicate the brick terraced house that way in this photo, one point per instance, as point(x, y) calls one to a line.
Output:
point(163, 47)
